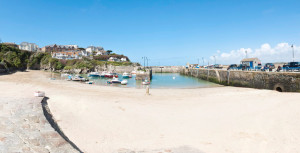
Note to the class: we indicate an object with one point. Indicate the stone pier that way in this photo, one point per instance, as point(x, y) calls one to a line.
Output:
point(142, 75)
point(280, 81)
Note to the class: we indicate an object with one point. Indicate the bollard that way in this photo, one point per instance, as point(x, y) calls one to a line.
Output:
point(147, 90)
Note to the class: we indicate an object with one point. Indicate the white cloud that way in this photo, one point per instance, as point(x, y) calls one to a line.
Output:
point(282, 52)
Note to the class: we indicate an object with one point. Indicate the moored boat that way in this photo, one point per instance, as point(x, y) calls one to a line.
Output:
point(146, 82)
point(94, 74)
point(78, 78)
point(115, 80)
point(89, 82)
point(133, 72)
point(124, 82)
point(109, 75)
point(126, 75)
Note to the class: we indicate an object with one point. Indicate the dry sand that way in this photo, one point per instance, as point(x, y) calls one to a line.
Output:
point(100, 119)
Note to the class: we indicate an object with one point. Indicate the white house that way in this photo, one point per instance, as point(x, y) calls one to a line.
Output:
point(67, 55)
point(29, 46)
point(123, 59)
point(113, 59)
point(90, 49)
point(251, 62)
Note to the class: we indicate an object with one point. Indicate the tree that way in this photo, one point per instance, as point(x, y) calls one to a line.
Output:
point(109, 51)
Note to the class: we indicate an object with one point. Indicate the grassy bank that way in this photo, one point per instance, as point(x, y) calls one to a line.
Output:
point(16, 59)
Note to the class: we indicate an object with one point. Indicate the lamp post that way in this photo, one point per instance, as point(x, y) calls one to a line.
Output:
point(293, 53)
point(215, 59)
point(147, 61)
point(144, 61)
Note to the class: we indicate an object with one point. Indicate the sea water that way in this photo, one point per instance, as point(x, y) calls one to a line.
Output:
point(159, 80)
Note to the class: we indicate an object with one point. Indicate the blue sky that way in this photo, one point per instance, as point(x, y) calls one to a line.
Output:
point(168, 32)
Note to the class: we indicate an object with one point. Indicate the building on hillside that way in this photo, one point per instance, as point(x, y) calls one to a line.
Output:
point(123, 59)
point(29, 46)
point(67, 55)
point(11, 44)
point(74, 46)
point(59, 48)
point(113, 59)
point(251, 62)
point(93, 50)
point(84, 53)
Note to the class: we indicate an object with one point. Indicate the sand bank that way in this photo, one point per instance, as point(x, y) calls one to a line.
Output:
point(219, 119)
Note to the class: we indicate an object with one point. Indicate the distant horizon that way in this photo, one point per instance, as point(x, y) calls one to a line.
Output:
point(170, 32)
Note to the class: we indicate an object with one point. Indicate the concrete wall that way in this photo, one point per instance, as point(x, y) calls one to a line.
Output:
point(140, 75)
point(167, 69)
point(289, 82)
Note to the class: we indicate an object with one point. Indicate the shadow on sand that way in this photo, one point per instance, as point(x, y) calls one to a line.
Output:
point(54, 124)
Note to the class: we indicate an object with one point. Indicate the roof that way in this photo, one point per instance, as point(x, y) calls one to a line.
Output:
point(249, 59)
point(60, 46)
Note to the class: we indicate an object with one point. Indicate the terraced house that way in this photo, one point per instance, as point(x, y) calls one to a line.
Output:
point(67, 55)
point(59, 48)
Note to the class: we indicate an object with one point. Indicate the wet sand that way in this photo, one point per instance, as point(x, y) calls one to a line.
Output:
point(218, 119)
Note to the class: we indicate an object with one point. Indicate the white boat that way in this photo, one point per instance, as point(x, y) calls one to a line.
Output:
point(124, 82)
point(115, 80)
point(94, 74)
point(89, 82)
point(146, 82)
point(78, 78)
point(126, 75)
point(133, 72)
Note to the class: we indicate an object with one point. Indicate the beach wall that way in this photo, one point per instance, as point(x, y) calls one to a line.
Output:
point(281, 81)
point(141, 75)
point(167, 69)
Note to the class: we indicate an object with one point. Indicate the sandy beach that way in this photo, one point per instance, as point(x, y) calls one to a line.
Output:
point(101, 119)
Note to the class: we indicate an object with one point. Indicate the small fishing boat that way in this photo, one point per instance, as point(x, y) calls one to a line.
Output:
point(133, 72)
point(126, 75)
point(79, 78)
point(109, 75)
point(124, 82)
point(89, 82)
point(115, 80)
point(94, 74)
point(115, 75)
point(146, 82)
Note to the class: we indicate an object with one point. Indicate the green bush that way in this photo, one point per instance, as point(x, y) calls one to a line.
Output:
point(68, 67)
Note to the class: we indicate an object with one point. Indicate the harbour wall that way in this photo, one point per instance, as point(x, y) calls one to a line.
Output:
point(167, 69)
point(141, 75)
point(280, 81)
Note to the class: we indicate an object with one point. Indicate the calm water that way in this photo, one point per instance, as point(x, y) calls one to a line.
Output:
point(159, 80)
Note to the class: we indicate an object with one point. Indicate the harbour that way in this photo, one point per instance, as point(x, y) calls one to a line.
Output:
point(159, 80)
